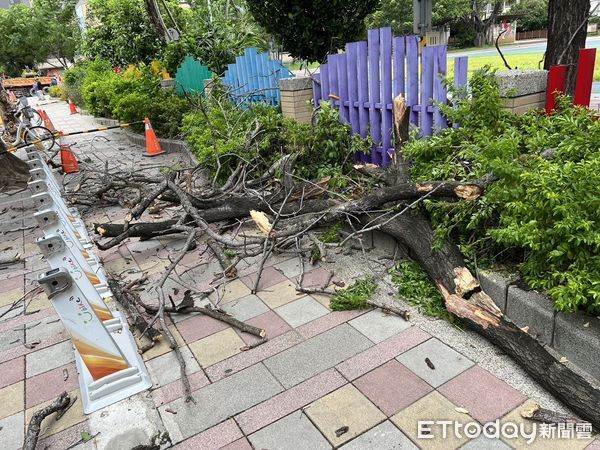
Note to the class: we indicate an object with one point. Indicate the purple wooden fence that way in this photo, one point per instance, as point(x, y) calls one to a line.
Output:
point(363, 81)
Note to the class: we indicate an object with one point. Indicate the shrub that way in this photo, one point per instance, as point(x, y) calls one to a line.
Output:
point(130, 96)
point(58, 92)
point(325, 150)
point(542, 211)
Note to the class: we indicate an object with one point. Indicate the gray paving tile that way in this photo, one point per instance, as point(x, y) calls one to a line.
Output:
point(246, 307)
point(44, 329)
point(218, 401)
point(12, 338)
point(290, 433)
point(290, 268)
point(12, 431)
point(316, 355)
point(49, 358)
point(165, 368)
point(447, 363)
point(301, 311)
point(384, 436)
point(379, 326)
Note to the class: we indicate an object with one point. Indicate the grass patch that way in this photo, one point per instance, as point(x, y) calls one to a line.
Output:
point(523, 61)
point(355, 296)
point(332, 234)
point(297, 65)
point(418, 290)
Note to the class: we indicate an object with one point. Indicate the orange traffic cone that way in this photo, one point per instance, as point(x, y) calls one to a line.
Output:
point(47, 122)
point(152, 144)
point(68, 160)
point(12, 97)
point(72, 107)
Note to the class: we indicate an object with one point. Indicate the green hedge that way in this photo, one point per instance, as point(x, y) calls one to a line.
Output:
point(130, 96)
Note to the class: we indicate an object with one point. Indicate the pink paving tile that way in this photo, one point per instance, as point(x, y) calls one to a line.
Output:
point(12, 371)
point(21, 350)
point(240, 444)
point(327, 322)
point(384, 351)
point(12, 283)
point(268, 278)
point(289, 401)
point(317, 278)
point(174, 390)
point(198, 327)
point(485, 396)
point(270, 322)
point(47, 385)
point(392, 387)
point(64, 439)
point(248, 358)
point(216, 437)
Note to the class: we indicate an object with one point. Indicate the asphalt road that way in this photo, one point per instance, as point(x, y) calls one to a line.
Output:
point(539, 46)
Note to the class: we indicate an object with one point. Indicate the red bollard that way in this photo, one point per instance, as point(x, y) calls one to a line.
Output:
point(557, 78)
point(585, 77)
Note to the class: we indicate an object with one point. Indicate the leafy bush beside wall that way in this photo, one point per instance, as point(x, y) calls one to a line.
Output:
point(543, 209)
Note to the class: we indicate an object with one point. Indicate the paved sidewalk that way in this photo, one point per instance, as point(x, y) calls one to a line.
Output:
point(354, 380)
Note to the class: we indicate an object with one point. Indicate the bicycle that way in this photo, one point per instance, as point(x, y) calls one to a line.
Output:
point(27, 134)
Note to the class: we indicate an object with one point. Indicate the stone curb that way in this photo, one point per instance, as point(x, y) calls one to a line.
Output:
point(575, 336)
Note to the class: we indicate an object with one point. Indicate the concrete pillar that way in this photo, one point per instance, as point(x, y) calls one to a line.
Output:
point(522, 90)
point(296, 96)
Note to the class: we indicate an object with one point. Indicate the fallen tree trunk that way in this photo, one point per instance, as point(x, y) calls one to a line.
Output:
point(465, 299)
point(238, 207)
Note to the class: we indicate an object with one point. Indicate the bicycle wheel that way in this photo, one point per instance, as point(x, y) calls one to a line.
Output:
point(36, 120)
point(40, 133)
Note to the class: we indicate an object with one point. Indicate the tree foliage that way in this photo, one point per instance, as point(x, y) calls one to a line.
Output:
point(534, 14)
point(310, 29)
point(215, 35)
point(29, 36)
point(120, 31)
point(60, 35)
point(397, 14)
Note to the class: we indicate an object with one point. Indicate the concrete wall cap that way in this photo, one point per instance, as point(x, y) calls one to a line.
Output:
point(295, 84)
point(514, 83)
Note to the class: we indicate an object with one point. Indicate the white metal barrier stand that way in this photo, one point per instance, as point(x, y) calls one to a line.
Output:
point(109, 365)
point(110, 368)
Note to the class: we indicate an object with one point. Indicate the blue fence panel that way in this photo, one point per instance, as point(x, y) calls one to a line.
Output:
point(254, 78)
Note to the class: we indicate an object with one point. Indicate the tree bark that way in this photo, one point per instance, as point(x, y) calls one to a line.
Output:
point(9, 121)
point(14, 173)
point(33, 430)
point(234, 208)
point(567, 30)
point(153, 11)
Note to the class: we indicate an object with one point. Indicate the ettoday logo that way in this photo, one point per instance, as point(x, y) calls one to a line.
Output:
point(530, 431)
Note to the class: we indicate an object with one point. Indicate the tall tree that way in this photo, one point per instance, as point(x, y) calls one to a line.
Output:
point(57, 29)
point(310, 29)
point(483, 22)
point(567, 30)
point(19, 44)
point(121, 31)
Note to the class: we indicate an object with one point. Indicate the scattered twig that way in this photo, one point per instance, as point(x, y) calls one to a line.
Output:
point(33, 430)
